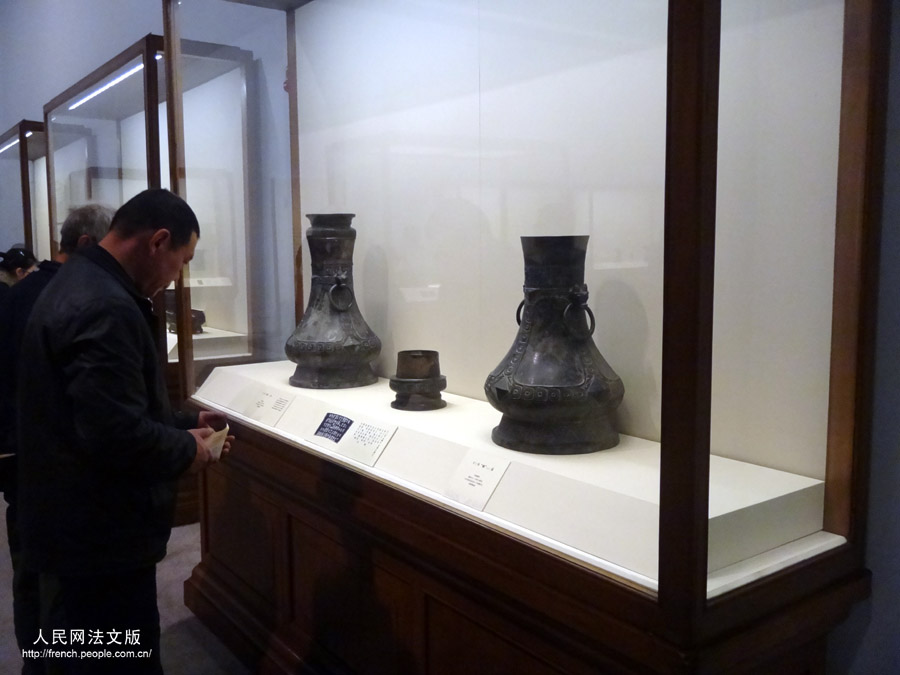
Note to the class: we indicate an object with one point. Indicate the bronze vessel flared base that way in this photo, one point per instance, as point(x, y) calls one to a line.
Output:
point(418, 381)
point(317, 377)
point(418, 402)
point(576, 437)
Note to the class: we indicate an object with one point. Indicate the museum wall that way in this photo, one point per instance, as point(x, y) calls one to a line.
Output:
point(474, 125)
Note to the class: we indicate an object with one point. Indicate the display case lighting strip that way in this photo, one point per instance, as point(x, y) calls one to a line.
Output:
point(112, 83)
point(9, 145)
point(13, 142)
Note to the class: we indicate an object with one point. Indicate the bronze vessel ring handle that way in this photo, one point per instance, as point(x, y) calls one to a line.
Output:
point(519, 313)
point(566, 318)
point(340, 295)
point(572, 327)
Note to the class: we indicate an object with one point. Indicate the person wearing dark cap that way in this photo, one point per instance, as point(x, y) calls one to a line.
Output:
point(15, 265)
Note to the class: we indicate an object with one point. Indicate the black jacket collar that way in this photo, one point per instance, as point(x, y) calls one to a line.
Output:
point(104, 259)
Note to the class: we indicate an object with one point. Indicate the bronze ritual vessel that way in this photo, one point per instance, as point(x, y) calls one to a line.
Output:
point(556, 391)
point(333, 346)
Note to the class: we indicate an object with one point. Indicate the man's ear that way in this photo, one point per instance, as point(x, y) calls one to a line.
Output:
point(160, 238)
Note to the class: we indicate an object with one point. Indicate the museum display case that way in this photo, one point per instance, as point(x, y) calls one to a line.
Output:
point(23, 187)
point(722, 158)
point(229, 157)
point(108, 139)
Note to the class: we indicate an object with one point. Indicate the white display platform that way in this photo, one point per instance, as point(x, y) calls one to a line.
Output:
point(601, 509)
point(211, 343)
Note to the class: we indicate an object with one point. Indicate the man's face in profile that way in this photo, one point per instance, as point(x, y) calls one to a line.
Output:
point(165, 261)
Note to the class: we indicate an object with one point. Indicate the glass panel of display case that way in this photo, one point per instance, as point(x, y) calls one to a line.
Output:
point(98, 142)
point(214, 86)
point(237, 179)
point(11, 208)
point(445, 179)
point(477, 124)
point(26, 225)
point(779, 113)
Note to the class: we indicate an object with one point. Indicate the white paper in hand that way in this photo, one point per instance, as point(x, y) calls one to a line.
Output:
point(216, 442)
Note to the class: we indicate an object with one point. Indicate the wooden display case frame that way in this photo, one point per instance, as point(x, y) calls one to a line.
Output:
point(288, 536)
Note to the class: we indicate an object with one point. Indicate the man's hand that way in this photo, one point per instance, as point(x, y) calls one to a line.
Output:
point(218, 421)
point(203, 456)
point(212, 418)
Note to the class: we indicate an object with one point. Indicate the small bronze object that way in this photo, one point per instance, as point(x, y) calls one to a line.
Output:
point(418, 381)
point(333, 346)
point(198, 316)
point(556, 391)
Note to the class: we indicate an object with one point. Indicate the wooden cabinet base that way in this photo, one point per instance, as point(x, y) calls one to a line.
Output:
point(187, 503)
point(310, 567)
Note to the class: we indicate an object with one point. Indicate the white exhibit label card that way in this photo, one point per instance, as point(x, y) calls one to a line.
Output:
point(353, 437)
point(476, 478)
point(262, 405)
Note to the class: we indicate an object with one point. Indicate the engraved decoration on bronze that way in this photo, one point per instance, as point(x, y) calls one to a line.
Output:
point(556, 391)
point(418, 381)
point(333, 346)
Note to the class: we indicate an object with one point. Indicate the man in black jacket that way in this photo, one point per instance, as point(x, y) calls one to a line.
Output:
point(99, 451)
point(84, 226)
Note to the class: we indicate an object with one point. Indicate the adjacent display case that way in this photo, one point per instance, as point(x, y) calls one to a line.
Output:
point(108, 139)
point(23, 190)
point(721, 158)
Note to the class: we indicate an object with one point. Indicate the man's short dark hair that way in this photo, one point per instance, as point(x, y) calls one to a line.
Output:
point(91, 219)
point(156, 209)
